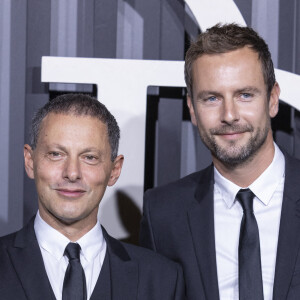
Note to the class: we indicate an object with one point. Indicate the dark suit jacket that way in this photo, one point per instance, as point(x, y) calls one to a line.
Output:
point(136, 273)
point(178, 222)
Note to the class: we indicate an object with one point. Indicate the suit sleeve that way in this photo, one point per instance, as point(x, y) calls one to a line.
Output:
point(146, 231)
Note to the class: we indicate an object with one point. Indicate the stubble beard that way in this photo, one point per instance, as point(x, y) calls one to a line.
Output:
point(234, 154)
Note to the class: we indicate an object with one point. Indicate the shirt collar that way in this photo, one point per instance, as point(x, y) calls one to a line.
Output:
point(55, 243)
point(92, 243)
point(263, 187)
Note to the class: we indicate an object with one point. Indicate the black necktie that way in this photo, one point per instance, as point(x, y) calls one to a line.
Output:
point(250, 277)
point(74, 283)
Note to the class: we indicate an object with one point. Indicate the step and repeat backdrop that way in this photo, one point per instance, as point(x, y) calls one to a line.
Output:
point(128, 54)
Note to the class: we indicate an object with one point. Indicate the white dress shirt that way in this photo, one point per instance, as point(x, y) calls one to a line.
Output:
point(268, 190)
point(52, 244)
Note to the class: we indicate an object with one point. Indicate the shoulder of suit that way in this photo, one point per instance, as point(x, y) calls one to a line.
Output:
point(143, 256)
point(7, 240)
point(291, 160)
point(178, 189)
point(150, 259)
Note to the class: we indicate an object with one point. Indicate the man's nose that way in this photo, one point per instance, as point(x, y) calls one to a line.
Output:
point(230, 111)
point(72, 170)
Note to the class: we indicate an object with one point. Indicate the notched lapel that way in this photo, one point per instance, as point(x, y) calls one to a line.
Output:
point(28, 262)
point(124, 276)
point(289, 232)
point(201, 221)
point(124, 271)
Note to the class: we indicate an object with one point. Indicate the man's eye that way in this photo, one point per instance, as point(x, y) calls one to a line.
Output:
point(246, 95)
point(54, 154)
point(211, 98)
point(90, 157)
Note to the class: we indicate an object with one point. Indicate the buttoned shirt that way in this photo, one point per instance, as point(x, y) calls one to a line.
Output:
point(52, 244)
point(228, 213)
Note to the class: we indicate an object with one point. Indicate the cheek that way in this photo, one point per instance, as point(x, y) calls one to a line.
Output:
point(256, 116)
point(95, 178)
point(45, 173)
point(250, 116)
point(208, 119)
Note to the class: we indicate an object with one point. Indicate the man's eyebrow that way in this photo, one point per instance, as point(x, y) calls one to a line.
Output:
point(57, 146)
point(85, 150)
point(91, 149)
point(249, 89)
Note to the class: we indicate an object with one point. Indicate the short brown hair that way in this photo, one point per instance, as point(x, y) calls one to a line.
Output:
point(78, 105)
point(226, 38)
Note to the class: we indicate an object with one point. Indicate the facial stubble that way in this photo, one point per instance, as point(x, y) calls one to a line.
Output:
point(233, 154)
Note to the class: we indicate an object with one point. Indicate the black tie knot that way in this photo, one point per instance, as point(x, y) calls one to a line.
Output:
point(72, 251)
point(245, 198)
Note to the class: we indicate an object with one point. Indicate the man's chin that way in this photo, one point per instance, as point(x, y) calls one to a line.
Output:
point(71, 219)
point(234, 157)
point(68, 218)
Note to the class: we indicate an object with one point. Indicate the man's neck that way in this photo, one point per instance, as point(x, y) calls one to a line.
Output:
point(73, 231)
point(246, 173)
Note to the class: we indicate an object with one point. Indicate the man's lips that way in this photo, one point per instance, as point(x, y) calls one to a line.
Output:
point(231, 135)
point(72, 193)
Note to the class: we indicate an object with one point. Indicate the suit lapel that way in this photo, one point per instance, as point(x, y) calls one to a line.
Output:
point(27, 259)
point(124, 271)
point(201, 220)
point(289, 237)
point(102, 289)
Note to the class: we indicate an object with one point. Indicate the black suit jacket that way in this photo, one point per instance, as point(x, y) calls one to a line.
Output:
point(178, 222)
point(136, 273)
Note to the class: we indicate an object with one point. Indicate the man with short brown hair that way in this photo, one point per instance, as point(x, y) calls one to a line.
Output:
point(233, 226)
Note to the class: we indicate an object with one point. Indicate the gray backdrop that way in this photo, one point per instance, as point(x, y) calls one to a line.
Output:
point(135, 29)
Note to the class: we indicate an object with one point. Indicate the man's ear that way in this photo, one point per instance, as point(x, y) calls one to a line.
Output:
point(28, 161)
point(191, 109)
point(274, 100)
point(116, 170)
